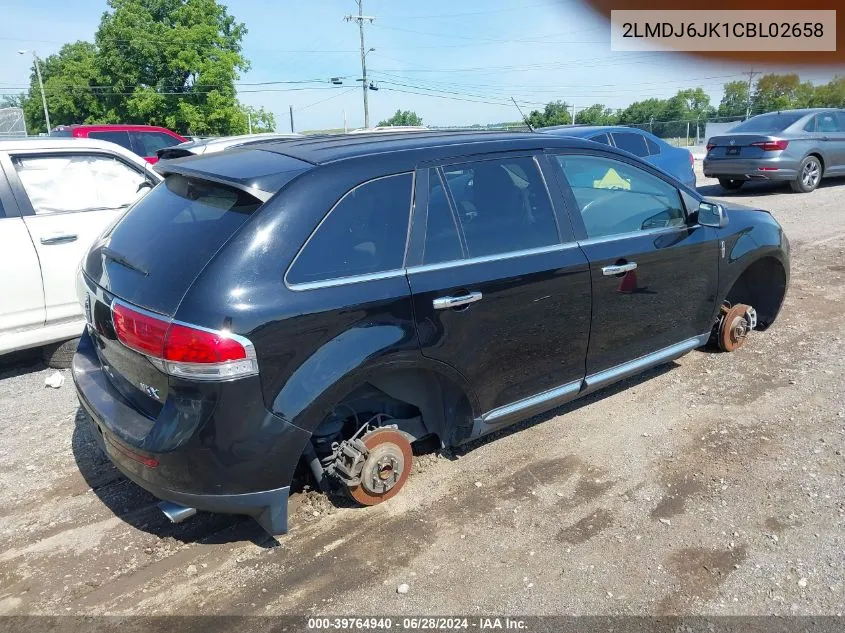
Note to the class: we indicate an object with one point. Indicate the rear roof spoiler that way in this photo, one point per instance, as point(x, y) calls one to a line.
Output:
point(259, 173)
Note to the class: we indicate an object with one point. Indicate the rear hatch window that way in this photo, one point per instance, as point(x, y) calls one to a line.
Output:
point(153, 254)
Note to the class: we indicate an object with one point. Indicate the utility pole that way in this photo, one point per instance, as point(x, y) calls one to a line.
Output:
point(751, 74)
point(291, 119)
point(364, 86)
point(249, 121)
point(573, 114)
point(41, 86)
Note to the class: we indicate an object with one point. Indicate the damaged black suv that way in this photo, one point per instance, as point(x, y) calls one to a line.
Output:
point(330, 301)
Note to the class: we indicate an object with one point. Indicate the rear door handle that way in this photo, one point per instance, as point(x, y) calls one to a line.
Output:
point(63, 238)
point(610, 271)
point(444, 303)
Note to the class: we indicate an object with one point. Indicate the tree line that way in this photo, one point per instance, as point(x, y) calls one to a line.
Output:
point(669, 117)
point(168, 62)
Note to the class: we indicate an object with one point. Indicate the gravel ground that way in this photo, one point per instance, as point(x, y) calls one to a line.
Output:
point(713, 485)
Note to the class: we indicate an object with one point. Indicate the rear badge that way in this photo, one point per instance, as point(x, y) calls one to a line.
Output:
point(152, 392)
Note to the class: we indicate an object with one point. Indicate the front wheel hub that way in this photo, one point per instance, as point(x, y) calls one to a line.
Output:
point(385, 469)
point(736, 323)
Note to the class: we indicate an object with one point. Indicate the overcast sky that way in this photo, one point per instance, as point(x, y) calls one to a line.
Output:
point(473, 55)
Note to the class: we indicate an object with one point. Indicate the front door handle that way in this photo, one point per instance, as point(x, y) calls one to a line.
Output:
point(618, 269)
point(63, 238)
point(444, 303)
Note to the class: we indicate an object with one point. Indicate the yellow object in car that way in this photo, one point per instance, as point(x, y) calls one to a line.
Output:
point(611, 180)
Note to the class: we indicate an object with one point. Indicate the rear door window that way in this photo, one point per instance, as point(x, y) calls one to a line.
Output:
point(148, 143)
point(810, 126)
point(631, 142)
point(828, 122)
point(62, 183)
point(121, 138)
point(364, 233)
point(502, 205)
point(601, 138)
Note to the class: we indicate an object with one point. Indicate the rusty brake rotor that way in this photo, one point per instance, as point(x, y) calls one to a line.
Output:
point(734, 328)
point(385, 469)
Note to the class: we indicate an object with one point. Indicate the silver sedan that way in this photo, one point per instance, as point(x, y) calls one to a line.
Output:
point(796, 146)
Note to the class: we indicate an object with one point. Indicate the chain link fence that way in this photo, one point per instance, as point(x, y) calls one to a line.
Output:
point(12, 123)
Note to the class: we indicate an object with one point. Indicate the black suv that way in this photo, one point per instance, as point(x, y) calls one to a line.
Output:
point(330, 301)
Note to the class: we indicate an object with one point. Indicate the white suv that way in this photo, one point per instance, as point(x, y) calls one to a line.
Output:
point(57, 196)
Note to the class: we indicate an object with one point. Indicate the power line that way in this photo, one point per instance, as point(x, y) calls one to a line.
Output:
point(488, 11)
point(488, 39)
point(311, 105)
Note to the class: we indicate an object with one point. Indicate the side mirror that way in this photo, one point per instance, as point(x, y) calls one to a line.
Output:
point(144, 185)
point(712, 214)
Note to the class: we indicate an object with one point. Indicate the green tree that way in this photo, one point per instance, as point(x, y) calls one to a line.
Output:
point(262, 120)
point(643, 112)
point(12, 101)
point(402, 117)
point(596, 114)
point(162, 62)
point(555, 113)
point(781, 92)
point(831, 94)
point(734, 100)
point(72, 86)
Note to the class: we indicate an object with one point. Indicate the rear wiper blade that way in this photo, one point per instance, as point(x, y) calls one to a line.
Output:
point(117, 258)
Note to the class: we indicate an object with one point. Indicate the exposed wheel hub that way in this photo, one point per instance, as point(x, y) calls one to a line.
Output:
point(375, 466)
point(737, 321)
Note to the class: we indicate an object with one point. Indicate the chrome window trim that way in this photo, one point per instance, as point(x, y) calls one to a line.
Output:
point(569, 388)
point(343, 281)
point(491, 258)
point(619, 236)
point(353, 279)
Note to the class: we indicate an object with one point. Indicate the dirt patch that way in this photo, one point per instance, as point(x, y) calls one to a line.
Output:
point(676, 496)
point(586, 528)
point(700, 572)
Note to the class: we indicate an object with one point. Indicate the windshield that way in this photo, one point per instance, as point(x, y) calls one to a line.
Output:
point(767, 123)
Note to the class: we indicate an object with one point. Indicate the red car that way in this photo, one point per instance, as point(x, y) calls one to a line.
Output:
point(144, 140)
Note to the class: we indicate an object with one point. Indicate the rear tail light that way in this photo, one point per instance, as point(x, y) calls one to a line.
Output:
point(710, 146)
point(771, 146)
point(184, 350)
point(691, 160)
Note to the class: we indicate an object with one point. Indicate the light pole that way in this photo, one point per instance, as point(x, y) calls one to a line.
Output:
point(40, 86)
point(360, 20)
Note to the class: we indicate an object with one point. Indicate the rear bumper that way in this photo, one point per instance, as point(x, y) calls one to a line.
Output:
point(750, 168)
point(216, 471)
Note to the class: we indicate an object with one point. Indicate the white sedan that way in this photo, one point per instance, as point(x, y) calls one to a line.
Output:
point(57, 196)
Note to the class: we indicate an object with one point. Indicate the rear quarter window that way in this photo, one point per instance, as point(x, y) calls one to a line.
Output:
point(631, 142)
point(364, 233)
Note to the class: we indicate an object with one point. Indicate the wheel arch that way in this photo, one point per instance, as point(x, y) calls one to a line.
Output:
point(761, 283)
point(444, 398)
